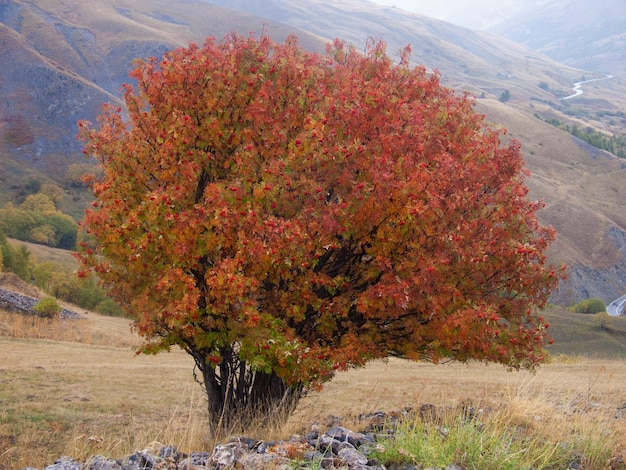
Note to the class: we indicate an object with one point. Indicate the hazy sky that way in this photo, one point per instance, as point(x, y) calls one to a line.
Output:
point(473, 14)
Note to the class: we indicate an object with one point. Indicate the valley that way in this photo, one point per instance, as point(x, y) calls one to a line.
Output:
point(578, 87)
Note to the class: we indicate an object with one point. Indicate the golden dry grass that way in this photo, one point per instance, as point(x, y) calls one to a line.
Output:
point(89, 393)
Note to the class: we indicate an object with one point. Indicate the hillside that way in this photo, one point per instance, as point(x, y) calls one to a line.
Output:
point(68, 57)
point(468, 60)
point(587, 34)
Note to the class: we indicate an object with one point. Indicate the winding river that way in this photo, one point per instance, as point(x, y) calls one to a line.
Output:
point(578, 86)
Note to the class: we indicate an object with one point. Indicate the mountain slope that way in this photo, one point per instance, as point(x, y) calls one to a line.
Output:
point(68, 57)
point(585, 34)
point(471, 60)
point(584, 194)
point(34, 120)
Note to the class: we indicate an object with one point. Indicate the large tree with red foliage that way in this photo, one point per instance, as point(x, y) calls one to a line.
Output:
point(281, 215)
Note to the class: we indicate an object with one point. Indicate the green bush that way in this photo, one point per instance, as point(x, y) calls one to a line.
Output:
point(48, 307)
point(110, 308)
point(91, 295)
point(16, 260)
point(593, 305)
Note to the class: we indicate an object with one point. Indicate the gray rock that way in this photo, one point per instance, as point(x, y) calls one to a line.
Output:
point(223, 456)
point(65, 463)
point(339, 448)
point(169, 452)
point(99, 462)
point(196, 461)
point(352, 457)
point(226, 455)
point(256, 461)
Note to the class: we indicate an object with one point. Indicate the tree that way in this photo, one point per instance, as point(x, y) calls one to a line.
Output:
point(54, 192)
point(38, 221)
point(38, 203)
point(281, 215)
point(65, 229)
point(15, 222)
point(15, 259)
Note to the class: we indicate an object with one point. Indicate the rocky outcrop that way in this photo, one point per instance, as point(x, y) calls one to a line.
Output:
point(606, 283)
point(24, 304)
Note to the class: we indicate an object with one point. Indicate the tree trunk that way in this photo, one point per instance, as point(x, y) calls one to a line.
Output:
point(238, 396)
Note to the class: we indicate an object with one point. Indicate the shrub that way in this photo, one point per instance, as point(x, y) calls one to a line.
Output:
point(110, 308)
point(593, 305)
point(603, 320)
point(16, 260)
point(48, 307)
point(65, 286)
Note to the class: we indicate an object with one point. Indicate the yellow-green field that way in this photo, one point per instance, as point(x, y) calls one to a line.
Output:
point(77, 388)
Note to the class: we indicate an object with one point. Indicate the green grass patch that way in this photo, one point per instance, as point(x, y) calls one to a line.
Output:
point(496, 441)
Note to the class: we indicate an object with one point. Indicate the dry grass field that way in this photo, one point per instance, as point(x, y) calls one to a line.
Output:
point(76, 387)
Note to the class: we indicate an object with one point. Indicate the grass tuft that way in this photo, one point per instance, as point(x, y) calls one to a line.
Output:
point(509, 438)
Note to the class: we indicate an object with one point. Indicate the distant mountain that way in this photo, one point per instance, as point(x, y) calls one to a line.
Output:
point(477, 14)
point(61, 59)
point(472, 60)
point(586, 34)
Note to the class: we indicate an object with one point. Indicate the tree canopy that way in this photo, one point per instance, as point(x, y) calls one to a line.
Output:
point(281, 214)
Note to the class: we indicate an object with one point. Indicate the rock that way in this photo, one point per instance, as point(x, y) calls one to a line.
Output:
point(196, 461)
point(65, 463)
point(352, 457)
point(616, 463)
point(257, 461)
point(169, 452)
point(428, 412)
point(342, 434)
point(99, 462)
point(223, 456)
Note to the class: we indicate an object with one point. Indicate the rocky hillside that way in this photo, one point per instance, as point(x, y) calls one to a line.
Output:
point(68, 57)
